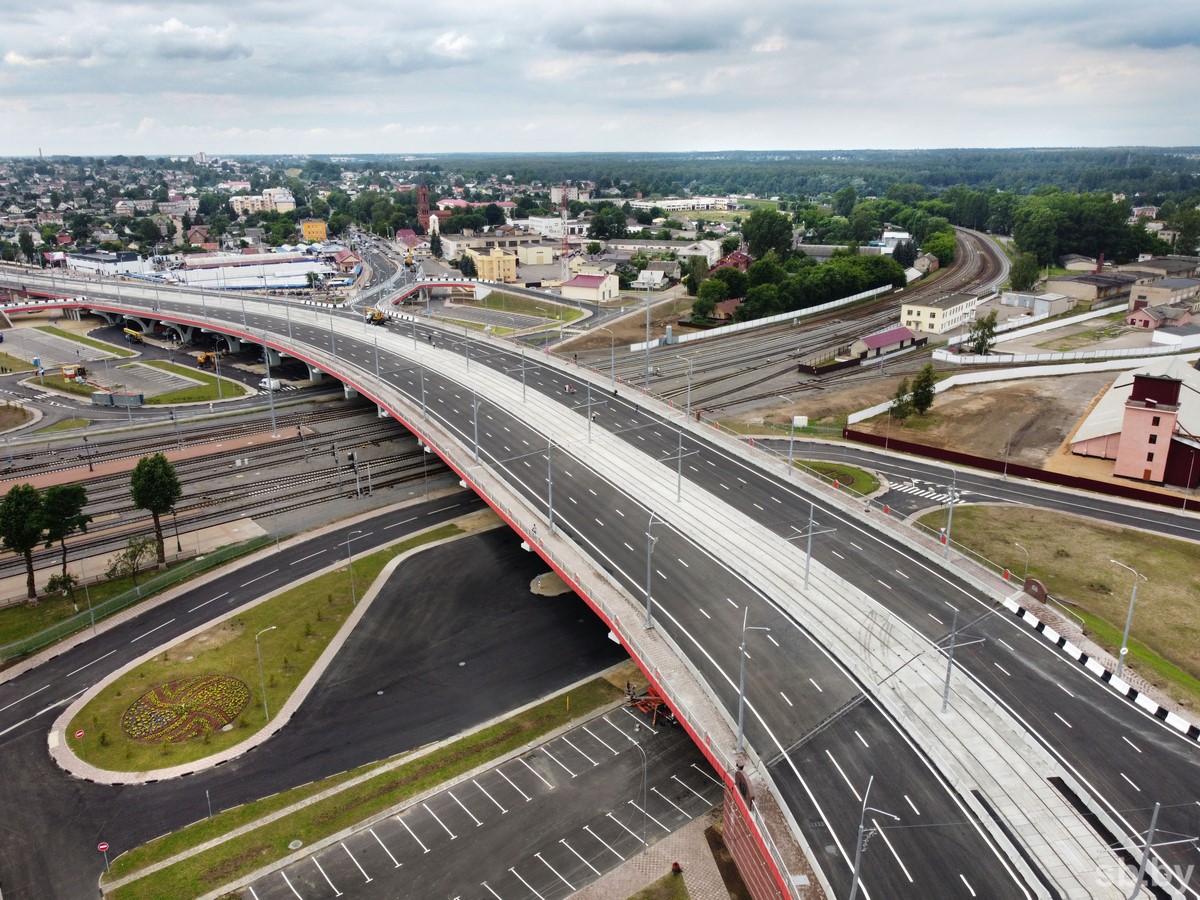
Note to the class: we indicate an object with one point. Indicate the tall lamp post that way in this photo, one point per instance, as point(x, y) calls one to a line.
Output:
point(651, 540)
point(859, 846)
point(791, 433)
point(1025, 577)
point(647, 380)
point(1137, 576)
point(742, 676)
point(350, 562)
point(261, 680)
point(175, 522)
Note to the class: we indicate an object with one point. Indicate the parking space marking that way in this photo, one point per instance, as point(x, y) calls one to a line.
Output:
point(514, 787)
point(289, 884)
point(250, 888)
point(646, 813)
point(588, 829)
point(563, 841)
point(690, 788)
point(453, 836)
point(384, 846)
point(317, 863)
point(464, 809)
point(535, 772)
point(489, 796)
point(490, 891)
point(622, 824)
point(355, 861)
point(640, 723)
point(706, 775)
point(601, 740)
point(424, 849)
point(552, 758)
point(669, 800)
point(555, 871)
point(580, 752)
point(526, 883)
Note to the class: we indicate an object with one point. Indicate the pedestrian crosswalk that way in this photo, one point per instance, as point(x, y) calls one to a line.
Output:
point(927, 490)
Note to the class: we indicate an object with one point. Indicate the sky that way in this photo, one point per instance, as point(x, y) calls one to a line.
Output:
point(381, 76)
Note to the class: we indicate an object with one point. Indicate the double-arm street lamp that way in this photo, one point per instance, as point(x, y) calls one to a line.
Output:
point(742, 676)
point(261, 680)
point(1124, 651)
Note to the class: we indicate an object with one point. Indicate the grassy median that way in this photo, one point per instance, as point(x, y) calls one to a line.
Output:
point(303, 621)
point(205, 392)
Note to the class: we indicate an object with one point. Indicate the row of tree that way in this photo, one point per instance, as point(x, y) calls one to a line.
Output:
point(29, 517)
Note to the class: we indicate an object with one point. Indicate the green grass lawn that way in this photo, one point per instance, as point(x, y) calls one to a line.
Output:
point(208, 870)
point(669, 887)
point(1071, 556)
point(15, 363)
point(305, 620)
point(64, 425)
point(112, 349)
point(853, 479)
point(66, 385)
point(206, 392)
point(527, 306)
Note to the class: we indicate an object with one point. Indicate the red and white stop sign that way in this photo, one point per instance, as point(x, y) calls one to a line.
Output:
point(102, 846)
point(79, 733)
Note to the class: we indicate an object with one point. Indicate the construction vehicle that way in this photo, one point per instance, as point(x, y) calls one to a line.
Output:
point(651, 703)
point(75, 372)
point(376, 317)
point(206, 360)
point(133, 336)
point(408, 260)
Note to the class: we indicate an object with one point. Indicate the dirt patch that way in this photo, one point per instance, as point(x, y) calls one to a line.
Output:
point(210, 639)
point(549, 584)
point(13, 416)
point(631, 328)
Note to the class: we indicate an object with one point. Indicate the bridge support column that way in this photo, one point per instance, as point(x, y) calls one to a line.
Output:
point(315, 374)
point(382, 413)
point(348, 392)
point(274, 357)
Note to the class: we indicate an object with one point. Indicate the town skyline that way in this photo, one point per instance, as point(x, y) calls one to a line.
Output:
point(147, 79)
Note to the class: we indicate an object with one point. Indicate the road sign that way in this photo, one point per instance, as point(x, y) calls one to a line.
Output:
point(102, 846)
point(79, 733)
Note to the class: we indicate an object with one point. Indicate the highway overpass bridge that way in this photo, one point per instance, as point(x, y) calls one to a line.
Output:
point(1006, 775)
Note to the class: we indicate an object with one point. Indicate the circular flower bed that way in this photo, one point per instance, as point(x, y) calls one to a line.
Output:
point(184, 709)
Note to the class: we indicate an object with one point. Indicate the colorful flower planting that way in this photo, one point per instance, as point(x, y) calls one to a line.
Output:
point(190, 707)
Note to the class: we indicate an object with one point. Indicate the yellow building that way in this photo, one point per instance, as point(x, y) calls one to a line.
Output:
point(313, 230)
point(495, 265)
point(939, 315)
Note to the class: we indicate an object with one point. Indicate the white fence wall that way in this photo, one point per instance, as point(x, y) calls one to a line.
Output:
point(761, 323)
point(1019, 329)
point(969, 359)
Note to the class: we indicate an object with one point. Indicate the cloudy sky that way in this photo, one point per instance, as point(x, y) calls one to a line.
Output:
point(381, 76)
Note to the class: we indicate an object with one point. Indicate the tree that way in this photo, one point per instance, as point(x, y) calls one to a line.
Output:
point(703, 307)
point(435, 245)
point(129, 561)
point(62, 515)
point(25, 242)
point(21, 527)
point(594, 248)
point(494, 214)
point(843, 201)
point(923, 391)
point(942, 245)
point(729, 244)
point(155, 488)
point(905, 253)
point(1025, 272)
point(695, 271)
point(767, 230)
point(466, 265)
point(983, 334)
point(901, 407)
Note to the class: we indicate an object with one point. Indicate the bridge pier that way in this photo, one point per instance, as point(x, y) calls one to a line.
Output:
point(315, 374)
point(348, 392)
point(382, 413)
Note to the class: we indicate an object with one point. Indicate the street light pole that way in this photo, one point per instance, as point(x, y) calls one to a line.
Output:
point(1129, 617)
point(651, 540)
point(791, 433)
point(175, 522)
point(350, 562)
point(742, 676)
point(950, 515)
point(1025, 577)
point(647, 380)
point(550, 485)
point(859, 846)
point(261, 680)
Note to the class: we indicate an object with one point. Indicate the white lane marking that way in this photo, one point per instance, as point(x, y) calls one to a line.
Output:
point(563, 841)
point(218, 597)
point(772, 640)
point(646, 812)
point(1065, 691)
point(535, 772)
point(786, 700)
point(817, 686)
point(573, 500)
point(741, 479)
point(693, 468)
point(861, 738)
point(317, 863)
point(684, 784)
point(729, 600)
point(855, 546)
point(601, 740)
point(619, 513)
point(85, 665)
point(250, 888)
point(385, 848)
point(901, 574)
point(935, 618)
point(659, 573)
point(593, 493)
point(682, 563)
point(903, 867)
point(703, 613)
point(514, 787)
point(588, 829)
point(757, 506)
point(777, 500)
point(631, 550)
point(424, 849)
point(636, 837)
point(311, 555)
point(838, 555)
point(1131, 743)
point(289, 884)
point(259, 578)
point(663, 796)
point(453, 836)
point(1131, 784)
point(849, 783)
point(884, 583)
point(152, 630)
point(355, 861)
point(967, 883)
point(911, 804)
point(719, 784)
point(27, 696)
point(580, 752)
point(724, 487)
point(552, 758)
point(598, 522)
point(396, 525)
point(489, 796)
point(526, 883)
point(555, 871)
point(1064, 721)
point(1006, 644)
point(464, 809)
point(1002, 669)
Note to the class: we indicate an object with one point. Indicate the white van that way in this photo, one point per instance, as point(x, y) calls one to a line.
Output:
point(270, 384)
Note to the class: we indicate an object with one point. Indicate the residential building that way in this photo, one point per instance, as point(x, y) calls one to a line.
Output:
point(1164, 267)
point(678, 204)
point(494, 264)
point(1165, 292)
point(591, 288)
point(939, 315)
point(1159, 316)
point(313, 230)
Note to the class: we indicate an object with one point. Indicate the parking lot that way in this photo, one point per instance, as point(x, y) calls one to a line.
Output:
point(140, 378)
point(50, 349)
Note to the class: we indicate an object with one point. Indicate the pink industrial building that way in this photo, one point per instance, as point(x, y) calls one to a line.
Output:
point(1148, 423)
